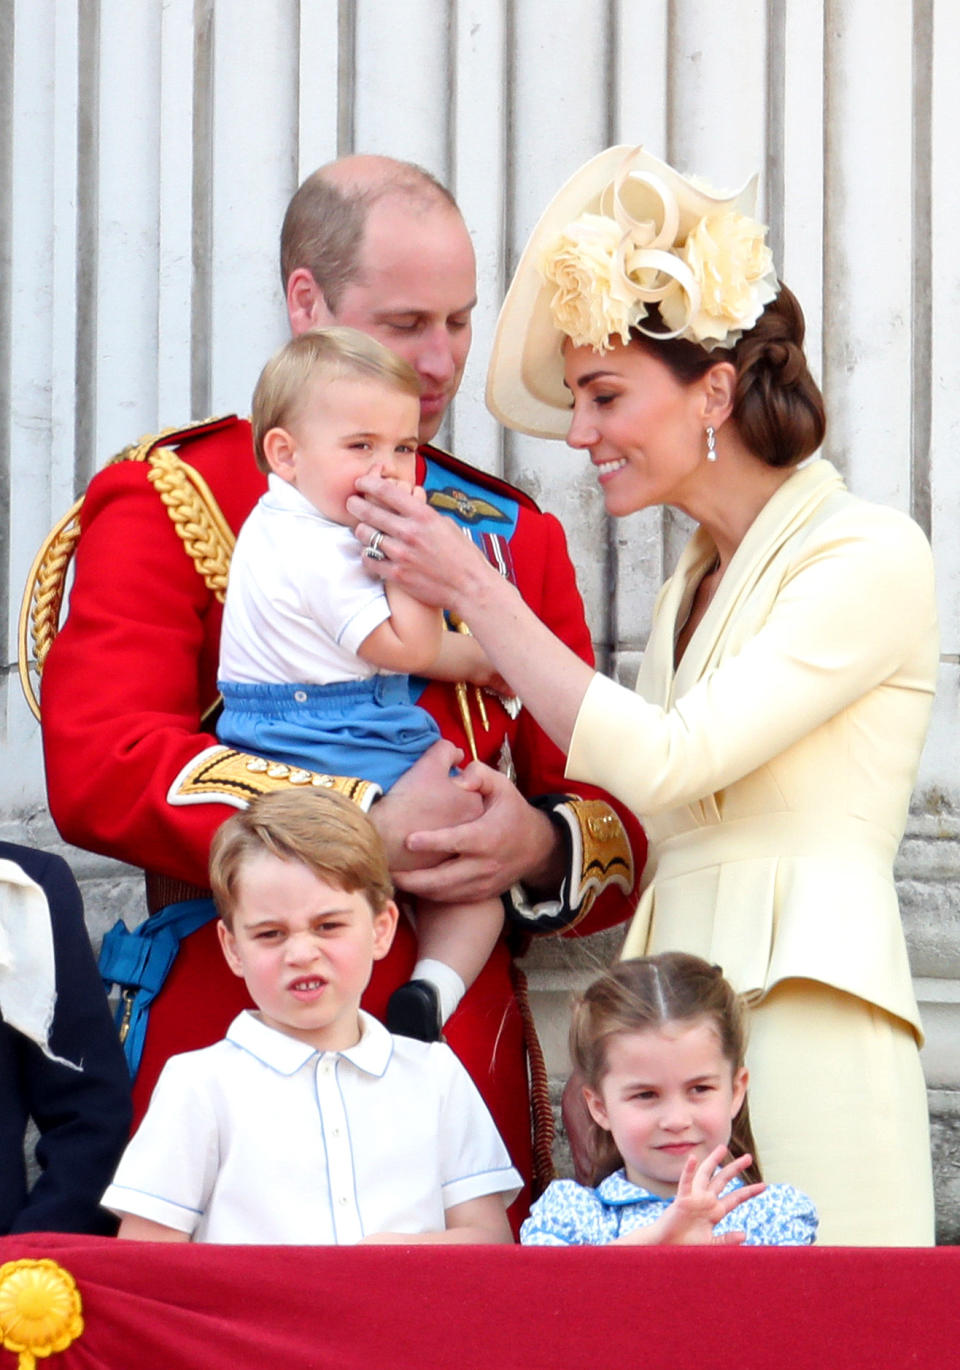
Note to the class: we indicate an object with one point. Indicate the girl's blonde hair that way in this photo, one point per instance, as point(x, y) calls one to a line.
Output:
point(644, 994)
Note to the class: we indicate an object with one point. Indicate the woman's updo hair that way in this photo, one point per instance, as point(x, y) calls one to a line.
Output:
point(777, 408)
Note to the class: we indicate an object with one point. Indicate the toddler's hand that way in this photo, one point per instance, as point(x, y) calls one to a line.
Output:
point(463, 658)
point(489, 679)
point(405, 487)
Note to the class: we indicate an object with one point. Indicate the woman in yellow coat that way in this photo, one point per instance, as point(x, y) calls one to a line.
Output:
point(772, 743)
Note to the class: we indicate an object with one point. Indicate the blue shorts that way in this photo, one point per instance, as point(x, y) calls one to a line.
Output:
point(363, 728)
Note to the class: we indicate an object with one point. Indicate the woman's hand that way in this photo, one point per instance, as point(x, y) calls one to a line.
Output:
point(423, 552)
point(429, 556)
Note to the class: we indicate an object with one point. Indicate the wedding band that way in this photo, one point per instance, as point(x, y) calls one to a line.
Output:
point(374, 553)
point(373, 546)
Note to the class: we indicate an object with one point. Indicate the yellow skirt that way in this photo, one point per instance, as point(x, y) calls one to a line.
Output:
point(839, 1109)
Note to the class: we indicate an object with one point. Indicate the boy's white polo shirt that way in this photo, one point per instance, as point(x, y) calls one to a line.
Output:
point(262, 1139)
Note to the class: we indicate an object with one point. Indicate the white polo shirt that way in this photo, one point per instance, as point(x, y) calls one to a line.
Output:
point(261, 1139)
point(299, 602)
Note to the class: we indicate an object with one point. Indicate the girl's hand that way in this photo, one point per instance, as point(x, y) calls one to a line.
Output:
point(700, 1204)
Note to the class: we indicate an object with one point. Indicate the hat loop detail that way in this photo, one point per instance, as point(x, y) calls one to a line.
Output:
point(644, 252)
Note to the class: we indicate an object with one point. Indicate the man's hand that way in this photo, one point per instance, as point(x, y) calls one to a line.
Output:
point(509, 841)
point(425, 797)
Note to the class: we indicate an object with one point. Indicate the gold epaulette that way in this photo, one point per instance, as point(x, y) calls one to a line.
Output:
point(197, 518)
point(230, 777)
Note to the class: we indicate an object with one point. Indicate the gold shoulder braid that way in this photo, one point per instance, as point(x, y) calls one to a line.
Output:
point(42, 598)
point(196, 516)
point(206, 536)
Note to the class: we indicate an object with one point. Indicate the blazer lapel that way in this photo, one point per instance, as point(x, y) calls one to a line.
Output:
point(788, 509)
point(655, 680)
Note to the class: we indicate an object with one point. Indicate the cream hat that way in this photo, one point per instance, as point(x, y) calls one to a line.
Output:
point(625, 231)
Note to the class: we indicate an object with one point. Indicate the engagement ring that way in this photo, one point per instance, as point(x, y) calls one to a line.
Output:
point(372, 549)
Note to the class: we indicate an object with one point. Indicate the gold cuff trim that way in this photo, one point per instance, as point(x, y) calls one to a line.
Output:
point(598, 855)
point(601, 854)
point(223, 775)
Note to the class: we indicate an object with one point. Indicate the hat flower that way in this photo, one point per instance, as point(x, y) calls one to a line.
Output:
point(733, 266)
point(592, 302)
point(711, 275)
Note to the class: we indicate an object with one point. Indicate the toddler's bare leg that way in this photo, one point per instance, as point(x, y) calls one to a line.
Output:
point(462, 936)
point(454, 941)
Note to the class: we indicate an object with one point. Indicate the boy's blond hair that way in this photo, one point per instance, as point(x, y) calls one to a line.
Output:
point(325, 354)
point(319, 828)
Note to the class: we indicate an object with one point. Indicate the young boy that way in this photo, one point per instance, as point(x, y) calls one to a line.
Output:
point(315, 654)
point(310, 1124)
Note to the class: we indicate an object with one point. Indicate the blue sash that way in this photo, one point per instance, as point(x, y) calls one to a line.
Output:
point(140, 961)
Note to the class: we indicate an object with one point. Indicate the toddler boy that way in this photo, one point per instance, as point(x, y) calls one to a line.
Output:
point(310, 1124)
point(315, 655)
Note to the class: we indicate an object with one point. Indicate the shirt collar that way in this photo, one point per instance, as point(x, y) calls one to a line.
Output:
point(286, 1054)
point(373, 1051)
point(616, 1190)
point(286, 497)
point(28, 978)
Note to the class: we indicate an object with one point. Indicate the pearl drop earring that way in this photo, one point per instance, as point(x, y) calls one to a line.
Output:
point(711, 445)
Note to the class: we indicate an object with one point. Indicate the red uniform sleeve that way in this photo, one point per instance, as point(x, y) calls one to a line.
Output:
point(131, 673)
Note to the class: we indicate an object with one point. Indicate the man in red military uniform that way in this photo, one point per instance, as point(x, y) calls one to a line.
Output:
point(133, 767)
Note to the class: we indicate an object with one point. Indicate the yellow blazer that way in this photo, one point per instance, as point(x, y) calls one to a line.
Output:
point(773, 769)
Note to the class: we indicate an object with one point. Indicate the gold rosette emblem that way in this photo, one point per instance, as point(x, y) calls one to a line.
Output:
point(40, 1309)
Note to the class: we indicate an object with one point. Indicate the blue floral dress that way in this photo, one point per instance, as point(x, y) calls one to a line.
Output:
point(571, 1214)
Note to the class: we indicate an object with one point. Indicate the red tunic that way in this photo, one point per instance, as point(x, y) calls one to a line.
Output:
point(124, 688)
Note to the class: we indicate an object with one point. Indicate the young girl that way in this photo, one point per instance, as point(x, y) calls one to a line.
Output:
point(659, 1042)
